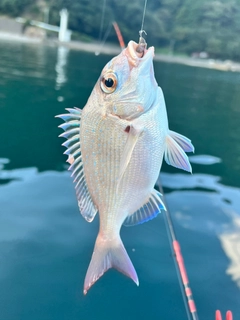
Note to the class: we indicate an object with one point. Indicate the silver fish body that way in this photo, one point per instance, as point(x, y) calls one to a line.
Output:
point(102, 151)
point(116, 145)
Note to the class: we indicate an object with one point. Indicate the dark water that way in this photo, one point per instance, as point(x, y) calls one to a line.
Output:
point(45, 245)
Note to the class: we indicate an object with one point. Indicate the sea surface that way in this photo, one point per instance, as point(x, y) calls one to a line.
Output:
point(45, 244)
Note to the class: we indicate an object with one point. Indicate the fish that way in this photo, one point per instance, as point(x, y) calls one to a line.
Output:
point(115, 147)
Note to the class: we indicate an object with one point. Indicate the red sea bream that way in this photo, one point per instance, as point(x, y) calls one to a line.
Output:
point(116, 145)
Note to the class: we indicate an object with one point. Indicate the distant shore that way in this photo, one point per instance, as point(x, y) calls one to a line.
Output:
point(111, 49)
point(194, 62)
point(11, 37)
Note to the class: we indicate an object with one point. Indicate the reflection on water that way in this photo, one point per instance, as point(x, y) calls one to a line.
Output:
point(62, 55)
point(3, 161)
point(207, 206)
point(35, 195)
point(19, 62)
point(204, 159)
point(231, 245)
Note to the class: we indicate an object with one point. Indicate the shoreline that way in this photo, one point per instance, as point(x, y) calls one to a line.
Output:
point(111, 49)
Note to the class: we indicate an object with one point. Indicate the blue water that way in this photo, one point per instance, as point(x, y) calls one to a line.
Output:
point(45, 244)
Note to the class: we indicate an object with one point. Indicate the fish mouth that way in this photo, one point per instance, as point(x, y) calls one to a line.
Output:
point(135, 56)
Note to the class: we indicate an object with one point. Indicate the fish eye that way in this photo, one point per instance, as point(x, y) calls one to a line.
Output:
point(109, 82)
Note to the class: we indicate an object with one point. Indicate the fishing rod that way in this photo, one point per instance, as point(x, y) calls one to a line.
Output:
point(181, 270)
point(119, 35)
point(179, 264)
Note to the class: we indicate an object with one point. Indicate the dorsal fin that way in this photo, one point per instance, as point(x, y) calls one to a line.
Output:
point(148, 211)
point(73, 145)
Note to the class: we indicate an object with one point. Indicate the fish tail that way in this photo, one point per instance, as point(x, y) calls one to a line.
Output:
point(108, 254)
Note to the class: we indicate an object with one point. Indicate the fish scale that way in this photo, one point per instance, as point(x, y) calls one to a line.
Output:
point(107, 163)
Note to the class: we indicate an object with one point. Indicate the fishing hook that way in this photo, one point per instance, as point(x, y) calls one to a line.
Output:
point(142, 44)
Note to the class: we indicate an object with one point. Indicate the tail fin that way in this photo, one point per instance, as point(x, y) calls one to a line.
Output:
point(108, 254)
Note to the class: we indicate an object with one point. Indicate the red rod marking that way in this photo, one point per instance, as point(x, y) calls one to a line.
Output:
point(229, 315)
point(218, 315)
point(192, 306)
point(180, 261)
point(119, 35)
point(188, 292)
point(177, 250)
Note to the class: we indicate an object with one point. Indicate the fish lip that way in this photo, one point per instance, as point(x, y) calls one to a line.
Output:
point(134, 57)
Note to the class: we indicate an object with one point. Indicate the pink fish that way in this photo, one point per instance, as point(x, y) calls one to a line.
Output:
point(115, 146)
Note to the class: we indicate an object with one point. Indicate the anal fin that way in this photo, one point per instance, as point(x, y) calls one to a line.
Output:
point(148, 211)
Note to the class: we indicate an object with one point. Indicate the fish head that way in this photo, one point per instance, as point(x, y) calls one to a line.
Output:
point(127, 86)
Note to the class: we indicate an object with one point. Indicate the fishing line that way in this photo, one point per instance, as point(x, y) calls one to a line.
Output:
point(144, 12)
point(104, 38)
point(106, 33)
point(102, 19)
point(142, 44)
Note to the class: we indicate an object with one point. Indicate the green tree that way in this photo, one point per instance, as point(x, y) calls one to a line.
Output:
point(14, 7)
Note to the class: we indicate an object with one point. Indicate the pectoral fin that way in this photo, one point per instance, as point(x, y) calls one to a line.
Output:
point(183, 141)
point(174, 152)
point(134, 133)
